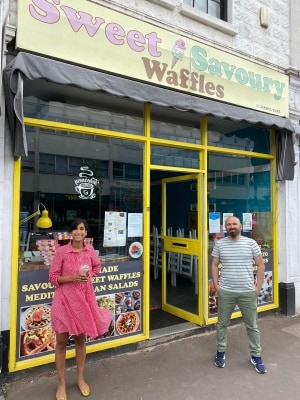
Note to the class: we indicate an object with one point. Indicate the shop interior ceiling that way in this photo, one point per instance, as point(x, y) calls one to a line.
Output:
point(48, 91)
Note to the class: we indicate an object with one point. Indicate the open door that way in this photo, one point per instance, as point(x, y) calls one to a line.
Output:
point(181, 247)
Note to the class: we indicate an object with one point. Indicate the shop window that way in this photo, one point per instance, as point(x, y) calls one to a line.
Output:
point(216, 8)
point(64, 165)
point(132, 171)
point(227, 178)
point(74, 165)
point(28, 162)
point(174, 157)
point(241, 187)
point(221, 178)
point(47, 163)
point(126, 171)
point(118, 170)
point(238, 136)
point(61, 165)
point(73, 186)
point(173, 124)
point(101, 168)
point(101, 110)
point(239, 179)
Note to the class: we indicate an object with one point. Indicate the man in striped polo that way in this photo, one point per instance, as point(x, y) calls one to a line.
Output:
point(235, 286)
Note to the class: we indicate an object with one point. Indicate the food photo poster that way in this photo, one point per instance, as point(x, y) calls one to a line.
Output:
point(118, 288)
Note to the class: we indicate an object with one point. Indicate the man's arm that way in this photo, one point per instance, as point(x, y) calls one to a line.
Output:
point(215, 271)
point(260, 275)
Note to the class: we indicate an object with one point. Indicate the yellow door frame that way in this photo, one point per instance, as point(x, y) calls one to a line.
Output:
point(185, 246)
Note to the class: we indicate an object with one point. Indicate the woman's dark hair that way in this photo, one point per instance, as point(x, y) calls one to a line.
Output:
point(76, 222)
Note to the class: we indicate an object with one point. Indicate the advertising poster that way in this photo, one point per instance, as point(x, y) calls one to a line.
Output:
point(118, 288)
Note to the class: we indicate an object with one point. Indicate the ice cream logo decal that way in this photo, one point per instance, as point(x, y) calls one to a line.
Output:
point(178, 52)
point(85, 186)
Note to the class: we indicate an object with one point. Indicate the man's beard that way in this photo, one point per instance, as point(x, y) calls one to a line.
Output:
point(233, 234)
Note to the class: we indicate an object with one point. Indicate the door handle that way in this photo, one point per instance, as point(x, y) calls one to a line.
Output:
point(182, 245)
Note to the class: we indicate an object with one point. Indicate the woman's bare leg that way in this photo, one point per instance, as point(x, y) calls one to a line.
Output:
point(60, 362)
point(80, 347)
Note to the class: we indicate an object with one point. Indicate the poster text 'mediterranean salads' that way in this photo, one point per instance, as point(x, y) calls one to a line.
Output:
point(118, 288)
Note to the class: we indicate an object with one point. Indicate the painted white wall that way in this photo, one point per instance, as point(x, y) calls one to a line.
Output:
point(6, 238)
point(290, 221)
point(4, 272)
point(6, 191)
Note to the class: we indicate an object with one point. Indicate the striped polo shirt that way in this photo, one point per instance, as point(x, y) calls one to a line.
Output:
point(236, 257)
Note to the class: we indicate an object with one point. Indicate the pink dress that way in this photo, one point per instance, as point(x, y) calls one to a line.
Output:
point(74, 307)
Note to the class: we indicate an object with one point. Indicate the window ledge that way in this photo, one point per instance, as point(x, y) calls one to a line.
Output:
point(206, 19)
point(170, 4)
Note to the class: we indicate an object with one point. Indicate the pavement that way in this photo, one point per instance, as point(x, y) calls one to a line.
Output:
point(182, 368)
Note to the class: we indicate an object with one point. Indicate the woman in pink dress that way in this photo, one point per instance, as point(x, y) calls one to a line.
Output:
point(74, 309)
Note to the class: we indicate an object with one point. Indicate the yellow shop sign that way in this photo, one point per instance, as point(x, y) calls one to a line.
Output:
point(88, 34)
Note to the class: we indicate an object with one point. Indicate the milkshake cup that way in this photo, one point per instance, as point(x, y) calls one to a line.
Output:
point(84, 270)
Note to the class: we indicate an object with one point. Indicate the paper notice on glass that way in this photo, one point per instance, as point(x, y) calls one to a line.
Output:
point(114, 229)
point(247, 222)
point(214, 222)
point(114, 238)
point(225, 216)
point(135, 224)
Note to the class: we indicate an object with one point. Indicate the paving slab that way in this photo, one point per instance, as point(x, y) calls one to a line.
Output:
point(183, 369)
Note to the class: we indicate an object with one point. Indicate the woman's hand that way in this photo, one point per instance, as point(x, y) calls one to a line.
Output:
point(74, 278)
point(81, 278)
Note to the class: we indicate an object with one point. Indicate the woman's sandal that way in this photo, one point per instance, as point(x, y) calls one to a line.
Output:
point(84, 392)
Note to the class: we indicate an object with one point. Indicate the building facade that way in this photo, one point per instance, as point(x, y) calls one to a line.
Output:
point(153, 120)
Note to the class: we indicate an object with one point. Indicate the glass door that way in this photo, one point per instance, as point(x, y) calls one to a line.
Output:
point(181, 247)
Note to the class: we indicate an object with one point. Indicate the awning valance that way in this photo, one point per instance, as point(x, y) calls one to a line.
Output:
point(36, 67)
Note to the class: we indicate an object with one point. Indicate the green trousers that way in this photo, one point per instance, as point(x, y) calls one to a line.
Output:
point(247, 302)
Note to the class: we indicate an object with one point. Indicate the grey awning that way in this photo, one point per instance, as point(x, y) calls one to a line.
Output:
point(37, 67)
